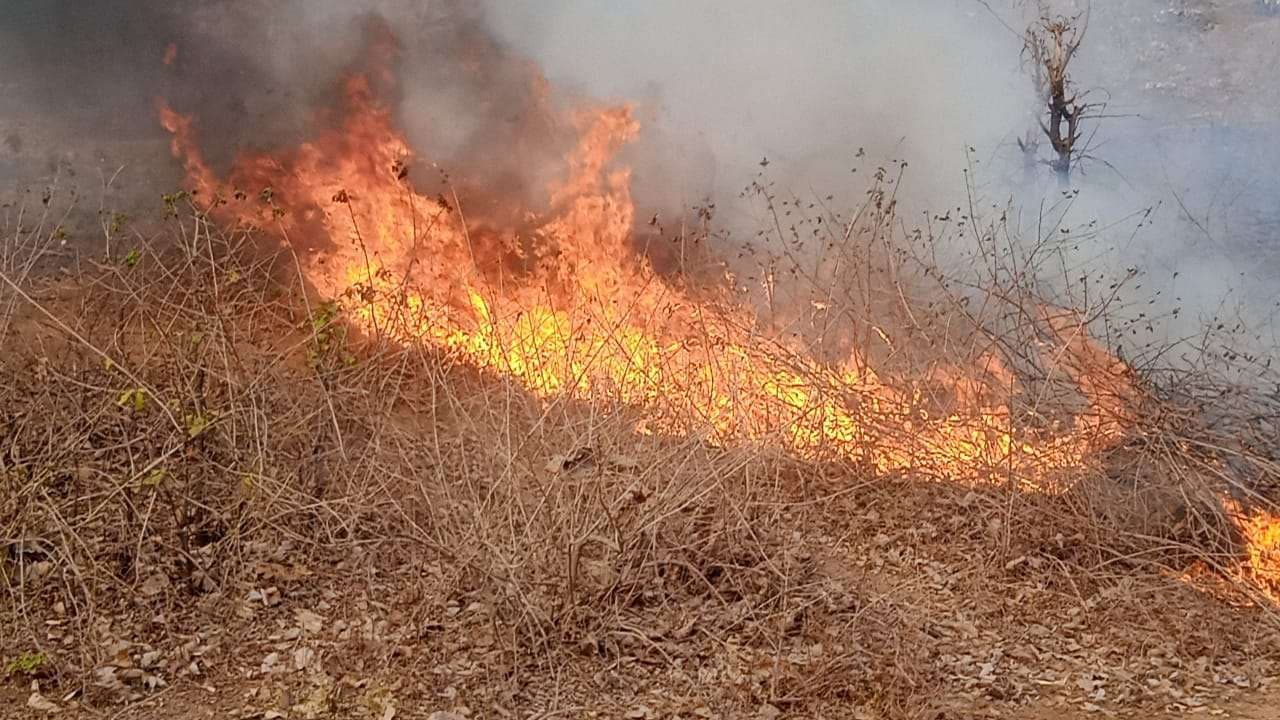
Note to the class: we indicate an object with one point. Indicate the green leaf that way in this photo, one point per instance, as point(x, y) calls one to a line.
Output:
point(132, 258)
point(197, 423)
point(26, 664)
point(133, 397)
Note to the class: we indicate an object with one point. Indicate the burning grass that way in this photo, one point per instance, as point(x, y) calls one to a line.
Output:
point(201, 423)
point(539, 454)
point(571, 308)
point(196, 434)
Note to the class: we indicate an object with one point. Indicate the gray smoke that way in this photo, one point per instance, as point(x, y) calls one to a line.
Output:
point(720, 87)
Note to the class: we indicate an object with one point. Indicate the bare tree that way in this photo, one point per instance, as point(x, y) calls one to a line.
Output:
point(1048, 48)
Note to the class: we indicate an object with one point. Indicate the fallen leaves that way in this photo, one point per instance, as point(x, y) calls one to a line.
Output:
point(155, 584)
point(40, 703)
point(310, 622)
point(270, 664)
point(768, 712)
point(303, 657)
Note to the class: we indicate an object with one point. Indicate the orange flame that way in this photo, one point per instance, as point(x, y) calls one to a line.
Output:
point(582, 315)
point(589, 317)
point(1261, 532)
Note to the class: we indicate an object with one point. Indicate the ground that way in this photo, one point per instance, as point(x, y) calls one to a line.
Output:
point(789, 589)
point(215, 506)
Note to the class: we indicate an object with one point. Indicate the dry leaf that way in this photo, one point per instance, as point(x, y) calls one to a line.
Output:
point(42, 704)
point(303, 657)
point(309, 621)
point(570, 461)
point(623, 462)
point(155, 584)
point(106, 677)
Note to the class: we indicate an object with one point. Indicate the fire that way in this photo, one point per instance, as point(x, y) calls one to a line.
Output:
point(1261, 533)
point(567, 308)
point(576, 311)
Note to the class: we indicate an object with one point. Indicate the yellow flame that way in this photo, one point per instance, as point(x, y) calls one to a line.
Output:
point(587, 318)
point(1261, 532)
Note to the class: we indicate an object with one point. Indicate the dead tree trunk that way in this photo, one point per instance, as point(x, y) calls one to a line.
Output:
point(1050, 46)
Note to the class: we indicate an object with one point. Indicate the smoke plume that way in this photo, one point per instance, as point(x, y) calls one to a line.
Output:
point(813, 96)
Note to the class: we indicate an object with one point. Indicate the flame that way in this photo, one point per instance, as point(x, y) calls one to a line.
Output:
point(170, 54)
point(1260, 530)
point(584, 315)
point(567, 308)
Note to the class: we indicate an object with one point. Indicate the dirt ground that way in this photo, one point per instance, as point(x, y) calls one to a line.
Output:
point(208, 702)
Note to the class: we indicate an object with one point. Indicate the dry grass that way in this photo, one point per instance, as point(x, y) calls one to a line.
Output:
point(187, 430)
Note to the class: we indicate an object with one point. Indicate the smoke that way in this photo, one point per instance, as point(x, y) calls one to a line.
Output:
point(1179, 180)
point(814, 96)
point(804, 86)
point(720, 91)
point(1187, 107)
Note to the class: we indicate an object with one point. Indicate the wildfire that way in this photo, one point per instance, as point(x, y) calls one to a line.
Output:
point(1261, 533)
point(570, 309)
point(585, 315)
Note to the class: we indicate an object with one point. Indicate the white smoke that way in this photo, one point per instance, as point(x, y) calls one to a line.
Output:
point(721, 87)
